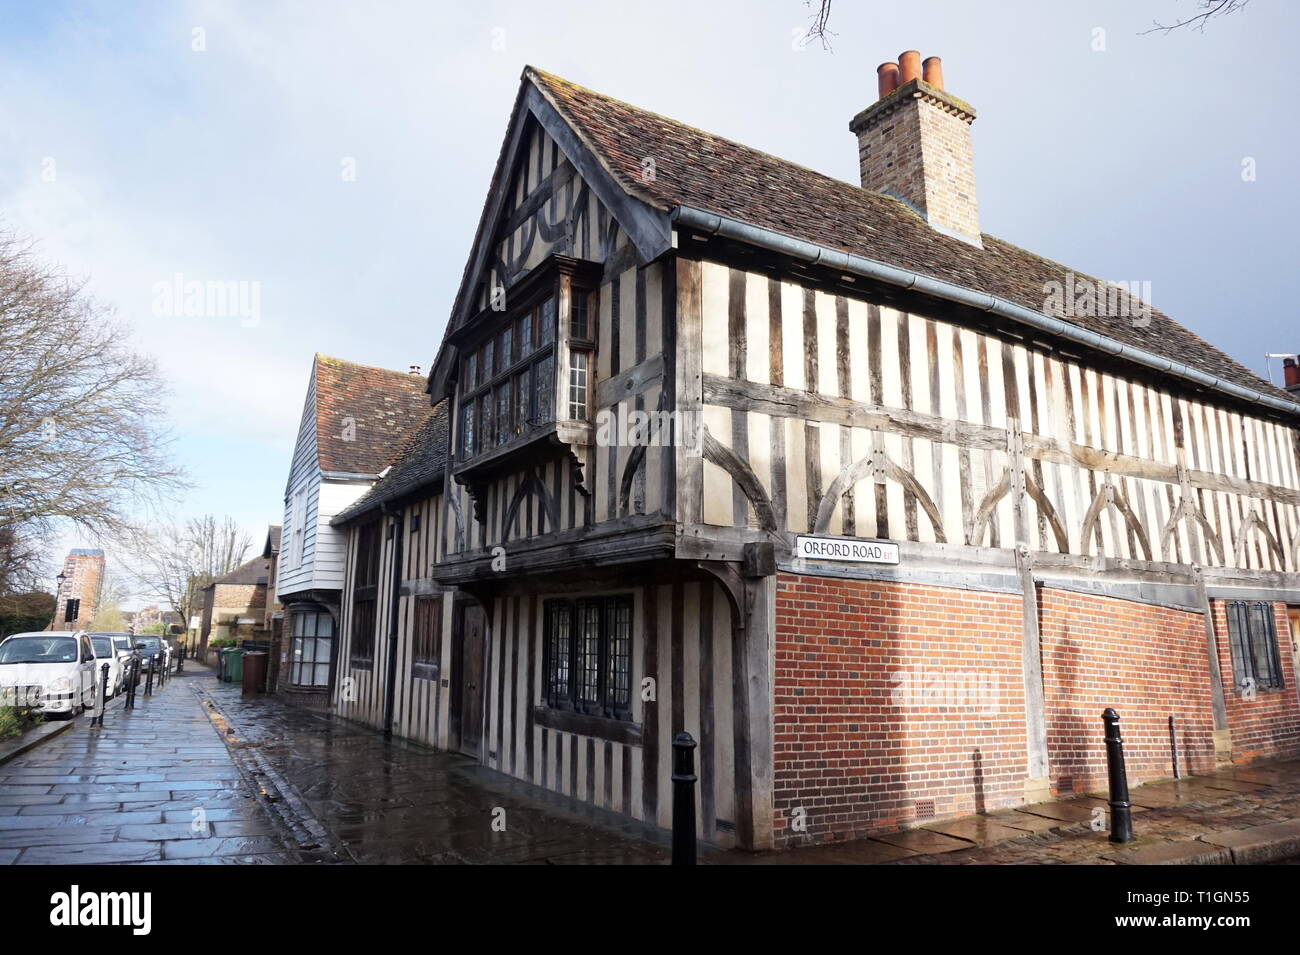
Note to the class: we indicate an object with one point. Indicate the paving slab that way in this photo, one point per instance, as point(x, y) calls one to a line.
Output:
point(1259, 844)
point(923, 841)
point(1173, 853)
point(980, 830)
point(858, 852)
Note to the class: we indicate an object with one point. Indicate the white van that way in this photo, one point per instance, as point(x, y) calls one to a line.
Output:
point(52, 671)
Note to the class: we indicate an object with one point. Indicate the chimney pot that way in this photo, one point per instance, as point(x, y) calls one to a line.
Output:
point(932, 71)
point(413, 370)
point(887, 78)
point(1291, 373)
point(919, 151)
point(909, 66)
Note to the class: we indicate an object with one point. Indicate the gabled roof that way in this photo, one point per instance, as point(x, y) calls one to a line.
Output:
point(697, 170)
point(272, 545)
point(249, 572)
point(363, 414)
point(419, 465)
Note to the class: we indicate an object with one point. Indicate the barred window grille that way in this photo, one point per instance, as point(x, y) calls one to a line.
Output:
point(1252, 639)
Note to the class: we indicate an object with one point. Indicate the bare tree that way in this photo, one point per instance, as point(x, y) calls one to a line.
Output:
point(82, 439)
point(1209, 10)
point(174, 562)
point(113, 589)
point(23, 567)
point(818, 30)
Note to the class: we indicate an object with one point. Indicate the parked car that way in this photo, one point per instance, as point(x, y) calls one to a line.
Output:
point(52, 672)
point(107, 652)
point(124, 643)
point(151, 650)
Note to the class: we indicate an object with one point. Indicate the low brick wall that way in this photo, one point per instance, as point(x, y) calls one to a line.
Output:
point(898, 703)
point(1149, 663)
point(894, 702)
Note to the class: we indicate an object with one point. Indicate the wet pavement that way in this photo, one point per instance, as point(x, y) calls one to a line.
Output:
point(349, 796)
point(198, 773)
point(1215, 819)
point(155, 784)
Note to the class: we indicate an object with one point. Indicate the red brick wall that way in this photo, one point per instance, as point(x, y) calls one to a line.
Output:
point(1147, 662)
point(1268, 725)
point(854, 748)
point(856, 753)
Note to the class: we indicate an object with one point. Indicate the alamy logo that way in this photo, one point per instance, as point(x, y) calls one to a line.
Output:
point(103, 908)
point(1082, 297)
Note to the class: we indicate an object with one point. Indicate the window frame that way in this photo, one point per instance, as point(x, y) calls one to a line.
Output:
point(365, 594)
point(426, 647)
point(296, 666)
point(574, 693)
point(298, 528)
point(584, 345)
point(1252, 633)
point(480, 395)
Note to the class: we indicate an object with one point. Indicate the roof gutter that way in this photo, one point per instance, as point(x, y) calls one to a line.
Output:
point(714, 224)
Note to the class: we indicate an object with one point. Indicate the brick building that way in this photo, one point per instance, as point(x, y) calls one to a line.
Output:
point(881, 509)
point(234, 605)
point(78, 597)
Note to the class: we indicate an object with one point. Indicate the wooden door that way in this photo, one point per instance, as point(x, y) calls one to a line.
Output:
point(470, 622)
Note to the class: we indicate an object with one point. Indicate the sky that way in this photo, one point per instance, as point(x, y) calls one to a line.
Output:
point(333, 157)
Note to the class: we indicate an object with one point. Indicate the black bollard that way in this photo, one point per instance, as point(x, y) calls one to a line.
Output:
point(98, 718)
point(684, 778)
point(129, 677)
point(1121, 810)
point(148, 680)
point(180, 659)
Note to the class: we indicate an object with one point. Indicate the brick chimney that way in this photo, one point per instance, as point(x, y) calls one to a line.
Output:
point(1291, 375)
point(914, 144)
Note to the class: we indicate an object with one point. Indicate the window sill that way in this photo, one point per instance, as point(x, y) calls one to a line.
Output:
point(424, 671)
point(582, 724)
point(499, 458)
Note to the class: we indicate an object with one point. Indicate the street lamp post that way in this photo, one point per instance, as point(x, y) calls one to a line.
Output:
point(58, 595)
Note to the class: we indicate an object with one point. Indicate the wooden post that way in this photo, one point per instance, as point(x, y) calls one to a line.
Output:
point(1037, 786)
point(1218, 702)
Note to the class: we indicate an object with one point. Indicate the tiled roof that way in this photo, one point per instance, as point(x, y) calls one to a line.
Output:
point(698, 169)
point(418, 465)
point(364, 414)
point(250, 572)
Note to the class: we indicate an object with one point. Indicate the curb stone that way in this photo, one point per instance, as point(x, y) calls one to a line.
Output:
point(1259, 844)
point(33, 738)
point(300, 829)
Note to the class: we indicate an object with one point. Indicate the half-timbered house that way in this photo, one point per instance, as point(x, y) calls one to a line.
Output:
point(879, 508)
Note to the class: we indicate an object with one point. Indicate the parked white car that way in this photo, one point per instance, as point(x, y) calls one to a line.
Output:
point(52, 671)
point(107, 652)
point(124, 643)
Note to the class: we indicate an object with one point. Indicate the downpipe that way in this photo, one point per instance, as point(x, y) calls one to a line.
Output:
point(390, 675)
